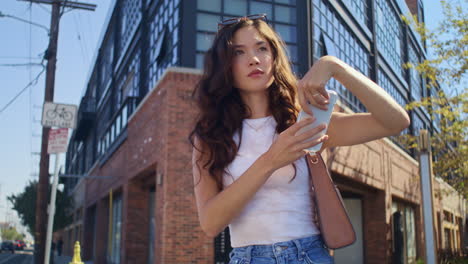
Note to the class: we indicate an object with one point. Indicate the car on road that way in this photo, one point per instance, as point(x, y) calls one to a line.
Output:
point(8, 245)
point(20, 244)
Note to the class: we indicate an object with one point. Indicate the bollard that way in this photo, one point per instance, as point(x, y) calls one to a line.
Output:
point(76, 254)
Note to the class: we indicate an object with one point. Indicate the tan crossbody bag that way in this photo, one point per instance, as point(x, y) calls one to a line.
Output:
point(331, 217)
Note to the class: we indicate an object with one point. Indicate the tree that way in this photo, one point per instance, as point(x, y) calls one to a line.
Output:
point(446, 70)
point(25, 204)
point(10, 233)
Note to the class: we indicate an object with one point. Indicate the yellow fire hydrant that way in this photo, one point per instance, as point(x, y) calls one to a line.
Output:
point(76, 254)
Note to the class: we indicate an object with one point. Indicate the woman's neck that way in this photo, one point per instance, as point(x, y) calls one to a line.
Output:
point(258, 104)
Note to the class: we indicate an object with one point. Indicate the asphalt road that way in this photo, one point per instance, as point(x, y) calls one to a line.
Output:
point(20, 257)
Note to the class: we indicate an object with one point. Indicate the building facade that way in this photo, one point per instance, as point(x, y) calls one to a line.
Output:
point(137, 204)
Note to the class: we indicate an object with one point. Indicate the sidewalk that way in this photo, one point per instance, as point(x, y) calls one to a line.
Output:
point(67, 260)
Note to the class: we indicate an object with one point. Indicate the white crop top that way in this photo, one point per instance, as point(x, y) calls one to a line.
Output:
point(279, 211)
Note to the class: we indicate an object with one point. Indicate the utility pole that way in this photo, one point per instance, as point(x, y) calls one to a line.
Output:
point(425, 168)
point(43, 184)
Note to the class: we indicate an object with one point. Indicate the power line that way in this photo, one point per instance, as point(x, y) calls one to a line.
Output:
point(43, 8)
point(33, 82)
point(26, 21)
point(80, 41)
point(21, 64)
point(19, 57)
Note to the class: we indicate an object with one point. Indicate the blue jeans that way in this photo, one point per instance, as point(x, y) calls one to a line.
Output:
point(309, 250)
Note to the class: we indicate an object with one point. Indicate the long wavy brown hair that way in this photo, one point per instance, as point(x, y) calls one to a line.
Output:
point(221, 109)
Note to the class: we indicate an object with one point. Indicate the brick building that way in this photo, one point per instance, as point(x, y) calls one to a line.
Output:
point(138, 205)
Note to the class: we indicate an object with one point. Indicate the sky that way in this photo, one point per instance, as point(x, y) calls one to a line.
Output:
point(20, 136)
point(79, 34)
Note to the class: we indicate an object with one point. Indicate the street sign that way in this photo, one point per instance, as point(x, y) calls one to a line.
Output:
point(59, 115)
point(58, 140)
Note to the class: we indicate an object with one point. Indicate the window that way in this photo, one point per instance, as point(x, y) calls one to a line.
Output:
point(420, 11)
point(163, 40)
point(209, 5)
point(152, 225)
point(389, 35)
point(207, 22)
point(332, 36)
point(359, 9)
point(260, 7)
point(417, 123)
point(285, 14)
point(414, 76)
point(287, 33)
point(130, 16)
point(404, 242)
point(235, 7)
point(114, 246)
point(281, 15)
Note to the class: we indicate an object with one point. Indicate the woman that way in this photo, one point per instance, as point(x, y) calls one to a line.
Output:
point(248, 163)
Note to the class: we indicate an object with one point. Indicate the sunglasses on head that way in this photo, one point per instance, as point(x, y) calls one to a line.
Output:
point(235, 20)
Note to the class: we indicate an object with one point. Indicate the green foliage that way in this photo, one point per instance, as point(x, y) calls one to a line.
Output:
point(10, 233)
point(419, 261)
point(25, 205)
point(449, 43)
point(446, 69)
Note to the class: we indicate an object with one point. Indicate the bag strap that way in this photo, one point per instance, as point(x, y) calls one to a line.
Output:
point(313, 160)
point(334, 223)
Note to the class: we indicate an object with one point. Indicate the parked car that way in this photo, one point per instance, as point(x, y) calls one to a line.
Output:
point(20, 244)
point(8, 245)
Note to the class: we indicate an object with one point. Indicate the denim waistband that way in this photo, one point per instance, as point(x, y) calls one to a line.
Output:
point(295, 246)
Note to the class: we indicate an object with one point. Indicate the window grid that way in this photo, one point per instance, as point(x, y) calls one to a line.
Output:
point(130, 18)
point(415, 77)
point(129, 81)
point(417, 123)
point(388, 86)
point(164, 24)
point(389, 35)
point(107, 59)
point(281, 15)
point(359, 9)
point(327, 24)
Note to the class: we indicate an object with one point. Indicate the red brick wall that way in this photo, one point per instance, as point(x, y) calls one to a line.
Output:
point(157, 142)
point(102, 225)
point(135, 224)
point(413, 6)
point(184, 240)
point(376, 228)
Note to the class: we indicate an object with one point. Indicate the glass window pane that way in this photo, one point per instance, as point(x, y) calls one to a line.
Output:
point(292, 52)
point(207, 22)
point(285, 14)
point(260, 8)
point(235, 7)
point(124, 116)
point(287, 33)
point(209, 5)
point(291, 2)
point(204, 41)
point(199, 61)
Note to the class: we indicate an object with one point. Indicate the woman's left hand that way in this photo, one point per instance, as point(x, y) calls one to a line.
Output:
point(311, 87)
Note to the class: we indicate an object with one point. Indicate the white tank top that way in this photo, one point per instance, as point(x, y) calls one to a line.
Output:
point(279, 211)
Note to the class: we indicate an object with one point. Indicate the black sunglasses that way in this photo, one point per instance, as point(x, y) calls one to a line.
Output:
point(238, 19)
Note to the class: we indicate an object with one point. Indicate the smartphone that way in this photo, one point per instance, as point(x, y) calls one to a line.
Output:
point(322, 116)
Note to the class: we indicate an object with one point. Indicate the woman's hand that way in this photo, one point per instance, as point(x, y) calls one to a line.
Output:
point(311, 87)
point(289, 147)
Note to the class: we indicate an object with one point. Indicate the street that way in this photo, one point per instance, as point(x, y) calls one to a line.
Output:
point(20, 257)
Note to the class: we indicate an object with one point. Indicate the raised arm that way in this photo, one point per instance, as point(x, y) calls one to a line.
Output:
point(385, 116)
